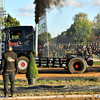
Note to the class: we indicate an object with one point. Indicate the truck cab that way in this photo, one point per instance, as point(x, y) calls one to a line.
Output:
point(22, 39)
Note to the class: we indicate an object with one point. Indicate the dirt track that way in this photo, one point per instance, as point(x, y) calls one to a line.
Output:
point(55, 72)
point(91, 72)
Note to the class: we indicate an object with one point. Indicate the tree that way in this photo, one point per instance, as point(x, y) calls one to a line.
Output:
point(13, 22)
point(43, 38)
point(62, 38)
point(81, 30)
point(96, 25)
point(80, 16)
point(1, 15)
point(53, 40)
point(32, 71)
point(1, 20)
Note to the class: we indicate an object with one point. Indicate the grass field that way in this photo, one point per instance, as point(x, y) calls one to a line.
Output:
point(78, 82)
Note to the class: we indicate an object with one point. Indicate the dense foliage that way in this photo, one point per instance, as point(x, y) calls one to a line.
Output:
point(13, 22)
point(1, 20)
point(43, 38)
point(81, 31)
point(96, 25)
point(32, 71)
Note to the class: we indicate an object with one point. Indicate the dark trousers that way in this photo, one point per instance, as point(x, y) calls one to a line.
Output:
point(6, 77)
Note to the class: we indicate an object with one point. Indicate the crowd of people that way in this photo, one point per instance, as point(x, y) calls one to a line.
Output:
point(65, 50)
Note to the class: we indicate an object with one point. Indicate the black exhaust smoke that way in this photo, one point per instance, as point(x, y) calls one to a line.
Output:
point(42, 5)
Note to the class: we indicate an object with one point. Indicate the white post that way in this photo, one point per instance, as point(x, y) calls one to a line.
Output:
point(47, 44)
point(47, 38)
point(36, 51)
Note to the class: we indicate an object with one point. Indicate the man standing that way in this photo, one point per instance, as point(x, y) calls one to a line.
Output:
point(9, 66)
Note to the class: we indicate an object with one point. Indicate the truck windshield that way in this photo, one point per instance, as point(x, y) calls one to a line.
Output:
point(15, 35)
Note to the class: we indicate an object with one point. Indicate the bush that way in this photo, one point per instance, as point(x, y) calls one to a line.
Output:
point(32, 71)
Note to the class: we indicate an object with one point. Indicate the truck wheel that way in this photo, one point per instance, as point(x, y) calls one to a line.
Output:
point(77, 65)
point(22, 64)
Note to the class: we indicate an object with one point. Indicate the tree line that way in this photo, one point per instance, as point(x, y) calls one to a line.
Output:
point(6, 23)
point(81, 31)
point(13, 22)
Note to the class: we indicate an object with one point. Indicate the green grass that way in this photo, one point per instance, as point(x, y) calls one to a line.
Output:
point(94, 80)
point(1, 82)
point(78, 82)
point(41, 81)
point(51, 81)
point(96, 63)
point(59, 80)
point(56, 93)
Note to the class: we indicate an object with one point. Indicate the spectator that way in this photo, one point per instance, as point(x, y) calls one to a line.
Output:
point(9, 61)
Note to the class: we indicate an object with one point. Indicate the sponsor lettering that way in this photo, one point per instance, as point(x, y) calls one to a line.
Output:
point(14, 43)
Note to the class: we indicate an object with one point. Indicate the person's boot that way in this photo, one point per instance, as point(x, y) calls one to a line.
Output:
point(6, 95)
point(12, 95)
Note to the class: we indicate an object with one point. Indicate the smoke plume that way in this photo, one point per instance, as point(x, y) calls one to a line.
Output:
point(42, 5)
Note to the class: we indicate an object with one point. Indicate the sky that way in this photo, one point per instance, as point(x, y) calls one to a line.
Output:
point(59, 19)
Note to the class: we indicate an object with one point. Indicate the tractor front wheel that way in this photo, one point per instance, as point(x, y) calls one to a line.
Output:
point(22, 64)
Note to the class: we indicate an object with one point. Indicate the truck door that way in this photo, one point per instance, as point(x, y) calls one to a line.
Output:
point(28, 41)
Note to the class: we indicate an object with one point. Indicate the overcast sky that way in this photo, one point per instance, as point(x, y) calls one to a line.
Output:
point(58, 19)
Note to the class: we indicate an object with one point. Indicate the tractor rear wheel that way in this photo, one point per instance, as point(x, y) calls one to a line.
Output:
point(77, 65)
